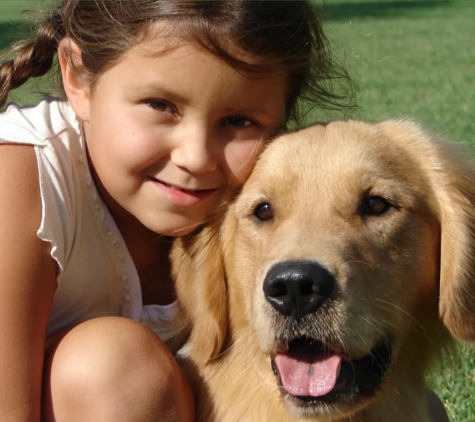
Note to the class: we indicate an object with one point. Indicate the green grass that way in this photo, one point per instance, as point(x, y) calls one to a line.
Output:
point(454, 382)
point(410, 59)
point(11, 10)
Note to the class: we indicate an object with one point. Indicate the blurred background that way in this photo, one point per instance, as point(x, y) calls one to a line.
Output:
point(410, 59)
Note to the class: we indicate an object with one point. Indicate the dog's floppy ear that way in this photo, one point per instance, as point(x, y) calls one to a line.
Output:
point(451, 176)
point(197, 268)
point(456, 196)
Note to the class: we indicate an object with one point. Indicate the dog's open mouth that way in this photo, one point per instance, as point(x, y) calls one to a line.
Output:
point(310, 372)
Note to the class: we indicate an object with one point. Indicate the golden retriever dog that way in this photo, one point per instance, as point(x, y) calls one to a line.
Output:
point(329, 284)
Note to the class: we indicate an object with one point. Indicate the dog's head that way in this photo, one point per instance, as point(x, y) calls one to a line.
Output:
point(349, 248)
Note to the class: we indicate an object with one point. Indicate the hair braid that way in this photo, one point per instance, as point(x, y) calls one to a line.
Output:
point(32, 57)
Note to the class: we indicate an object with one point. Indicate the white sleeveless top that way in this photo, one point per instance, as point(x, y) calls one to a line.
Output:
point(96, 274)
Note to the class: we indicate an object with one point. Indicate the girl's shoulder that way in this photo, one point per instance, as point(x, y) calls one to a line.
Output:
point(45, 141)
point(39, 124)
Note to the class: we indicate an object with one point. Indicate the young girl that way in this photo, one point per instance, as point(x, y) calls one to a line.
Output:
point(164, 108)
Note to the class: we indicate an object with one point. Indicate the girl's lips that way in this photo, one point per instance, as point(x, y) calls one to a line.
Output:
point(182, 197)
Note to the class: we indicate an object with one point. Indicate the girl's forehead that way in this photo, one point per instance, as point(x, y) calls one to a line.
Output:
point(167, 63)
point(162, 37)
point(176, 51)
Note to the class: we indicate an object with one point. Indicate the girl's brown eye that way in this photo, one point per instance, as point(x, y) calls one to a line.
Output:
point(160, 106)
point(375, 205)
point(237, 121)
point(263, 212)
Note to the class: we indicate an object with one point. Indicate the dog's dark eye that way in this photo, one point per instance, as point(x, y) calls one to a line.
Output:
point(375, 205)
point(263, 212)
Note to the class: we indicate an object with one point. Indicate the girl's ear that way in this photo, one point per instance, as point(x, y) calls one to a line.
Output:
point(77, 92)
point(198, 270)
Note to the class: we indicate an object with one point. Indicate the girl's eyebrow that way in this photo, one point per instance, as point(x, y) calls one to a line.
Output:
point(153, 90)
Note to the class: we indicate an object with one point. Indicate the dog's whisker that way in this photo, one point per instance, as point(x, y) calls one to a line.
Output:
point(363, 341)
point(387, 324)
point(394, 309)
point(422, 330)
point(255, 365)
point(367, 264)
point(234, 345)
point(372, 324)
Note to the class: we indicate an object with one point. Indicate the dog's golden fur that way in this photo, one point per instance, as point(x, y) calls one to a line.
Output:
point(388, 210)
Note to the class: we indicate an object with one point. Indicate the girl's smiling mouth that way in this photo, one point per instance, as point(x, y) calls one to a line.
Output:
point(182, 196)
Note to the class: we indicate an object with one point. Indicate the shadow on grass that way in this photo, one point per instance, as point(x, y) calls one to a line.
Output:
point(380, 10)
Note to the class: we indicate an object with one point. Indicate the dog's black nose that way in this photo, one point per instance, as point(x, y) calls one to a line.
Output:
point(298, 288)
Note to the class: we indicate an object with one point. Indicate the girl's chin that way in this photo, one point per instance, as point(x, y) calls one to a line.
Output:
point(179, 232)
point(176, 227)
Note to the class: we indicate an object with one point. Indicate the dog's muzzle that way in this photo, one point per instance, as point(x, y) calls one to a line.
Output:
point(308, 370)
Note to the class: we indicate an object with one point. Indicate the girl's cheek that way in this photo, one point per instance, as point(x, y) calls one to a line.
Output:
point(240, 161)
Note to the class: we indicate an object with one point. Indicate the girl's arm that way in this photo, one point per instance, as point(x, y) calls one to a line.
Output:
point(27, 285)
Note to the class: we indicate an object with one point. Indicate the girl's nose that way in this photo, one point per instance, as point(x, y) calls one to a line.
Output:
point(194, 150)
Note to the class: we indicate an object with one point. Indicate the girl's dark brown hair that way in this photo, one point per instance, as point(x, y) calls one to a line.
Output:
point(275, 36)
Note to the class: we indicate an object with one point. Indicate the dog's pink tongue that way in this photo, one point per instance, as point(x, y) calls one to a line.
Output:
point(310, 379)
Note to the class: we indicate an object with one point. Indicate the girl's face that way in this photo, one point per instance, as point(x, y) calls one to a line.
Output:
point(170, 135)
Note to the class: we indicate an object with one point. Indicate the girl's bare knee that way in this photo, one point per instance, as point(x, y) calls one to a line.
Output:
point(114, 369)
